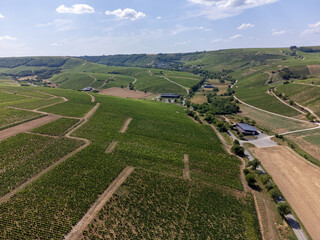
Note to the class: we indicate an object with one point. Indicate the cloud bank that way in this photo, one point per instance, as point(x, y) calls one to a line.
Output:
point(126, 14)
point(75, 9)
point(218, 9)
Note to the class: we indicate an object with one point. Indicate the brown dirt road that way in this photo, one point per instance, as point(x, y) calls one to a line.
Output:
point(186, 170)
point(76, 231)
point(124, 92)
point(24, 127)
point(125, 125)
point(298, 180)
point(111, 146)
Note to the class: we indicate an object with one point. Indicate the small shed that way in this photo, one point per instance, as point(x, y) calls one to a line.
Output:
point(208, 86)
point(247, 129)
point(170, 95)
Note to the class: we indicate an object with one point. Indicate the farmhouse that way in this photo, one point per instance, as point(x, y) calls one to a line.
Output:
point(170, 95)
point(208, 86)
point(246, 129)
point(87, 89)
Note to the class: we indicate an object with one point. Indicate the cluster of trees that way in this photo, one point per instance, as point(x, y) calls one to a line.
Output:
point(305, 49)
point(237, 149)
point(287, 74)
point(41, 73)
point(36, 62)
point(218, 105)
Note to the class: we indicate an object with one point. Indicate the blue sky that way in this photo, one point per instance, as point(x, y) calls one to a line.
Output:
point(96, 27)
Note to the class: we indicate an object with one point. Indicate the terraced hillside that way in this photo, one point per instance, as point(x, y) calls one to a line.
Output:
point(157, 199)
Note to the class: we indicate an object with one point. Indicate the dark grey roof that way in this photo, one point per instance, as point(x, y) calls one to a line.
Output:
point(170, 95)
point(247, 127)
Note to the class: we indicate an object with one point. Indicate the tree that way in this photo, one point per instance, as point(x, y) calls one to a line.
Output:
point(283, 208)
point(251, 179)
point(131, 86)
point(254, 164)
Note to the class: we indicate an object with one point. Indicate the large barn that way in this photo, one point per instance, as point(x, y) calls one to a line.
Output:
point(246, 129)
point(170, 95)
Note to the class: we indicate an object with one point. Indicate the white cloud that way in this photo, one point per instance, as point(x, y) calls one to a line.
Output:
point(60, 25)
point(217, 9)
point(126, 14)
point(217, 40)
point(235, 37)
point(312, 29)
point(75, 9)
point(159, 17)
point(1, 16)
point(275, 32)
point(9, 38)
point(245, 26)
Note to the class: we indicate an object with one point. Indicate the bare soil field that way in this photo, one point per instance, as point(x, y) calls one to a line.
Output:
point(314, 69)
point(124, 92)
point(24, 127)
point(298, 180)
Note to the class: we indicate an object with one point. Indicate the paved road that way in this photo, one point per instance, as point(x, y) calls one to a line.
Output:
point(294, 224)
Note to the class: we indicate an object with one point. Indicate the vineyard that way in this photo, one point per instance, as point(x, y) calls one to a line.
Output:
point(150, 205)
point(52, 204)
point(25, 155)
point(56, 128)
point(10, 116)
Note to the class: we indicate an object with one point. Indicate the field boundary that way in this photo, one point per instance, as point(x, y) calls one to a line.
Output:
point(76, 231)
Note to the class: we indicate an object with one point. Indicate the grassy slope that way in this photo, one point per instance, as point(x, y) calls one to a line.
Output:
point(50, 206)
point(308, 96)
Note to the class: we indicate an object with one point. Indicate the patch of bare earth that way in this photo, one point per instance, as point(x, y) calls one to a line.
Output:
point(111, 146)
point(186, 170)
point(24, 127)
point(314, 69)
point(125, 93)
point(298, 180)
point(125, 125)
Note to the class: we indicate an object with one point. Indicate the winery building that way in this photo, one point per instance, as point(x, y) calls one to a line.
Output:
point(246, 129)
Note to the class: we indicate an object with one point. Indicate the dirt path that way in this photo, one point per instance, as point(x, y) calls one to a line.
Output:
point(94, 79)
point(186, 170)
point(266, 216)
point(93, 99)
point(125, 125)
point(298, 180)
point(166, 78)
point(275, 114)
point(111, 146)
point(27, 126)
point(76, 231)
point(284, 102)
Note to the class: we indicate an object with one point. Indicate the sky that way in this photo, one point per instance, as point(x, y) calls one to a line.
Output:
point(97, 27)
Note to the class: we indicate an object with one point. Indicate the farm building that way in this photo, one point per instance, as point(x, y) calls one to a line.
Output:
point(87, 89)
point(208, 86)
point(246, 129)
point(170, 95)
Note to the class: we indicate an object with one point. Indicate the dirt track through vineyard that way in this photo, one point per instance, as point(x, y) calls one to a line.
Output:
point(77, 230)
point(112, 146)
point(24, 127)
point(125, 125)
